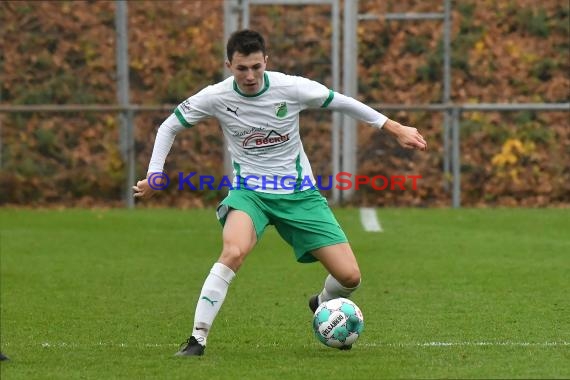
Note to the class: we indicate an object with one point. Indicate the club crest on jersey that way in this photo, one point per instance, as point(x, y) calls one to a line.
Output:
point(281, 110)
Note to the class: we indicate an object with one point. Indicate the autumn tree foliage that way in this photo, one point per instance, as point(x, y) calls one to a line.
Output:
point(503, 51)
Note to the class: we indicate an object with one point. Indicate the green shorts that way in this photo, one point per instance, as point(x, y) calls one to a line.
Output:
point(303, 219)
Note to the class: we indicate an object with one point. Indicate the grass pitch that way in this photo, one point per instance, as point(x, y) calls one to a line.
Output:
point(97, 294)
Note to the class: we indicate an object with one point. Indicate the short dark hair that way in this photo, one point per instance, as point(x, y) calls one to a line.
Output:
point(245, 42)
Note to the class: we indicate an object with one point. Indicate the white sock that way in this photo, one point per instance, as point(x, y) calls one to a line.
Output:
point(333, 289)
point(211, 299)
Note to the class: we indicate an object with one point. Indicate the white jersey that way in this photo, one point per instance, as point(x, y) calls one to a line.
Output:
point(262, 130)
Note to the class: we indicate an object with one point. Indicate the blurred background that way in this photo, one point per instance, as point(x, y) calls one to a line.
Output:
point(86, 84)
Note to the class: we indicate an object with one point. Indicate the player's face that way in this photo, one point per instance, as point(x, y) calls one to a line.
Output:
point(248, 71)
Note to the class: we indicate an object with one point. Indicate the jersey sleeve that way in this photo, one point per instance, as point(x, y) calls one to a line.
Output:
point(357, 110)
point(313, 94)
point(164, 139)
point(195, 108)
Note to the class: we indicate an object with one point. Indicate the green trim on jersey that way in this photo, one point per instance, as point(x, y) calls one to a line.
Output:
point(329, 99)
point(299, 173)
point(237, 168)
point(241, 181)
point(265, 87)
point(181, 119)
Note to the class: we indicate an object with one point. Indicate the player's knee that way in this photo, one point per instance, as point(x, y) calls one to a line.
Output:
point(232, 256)
point(350, 279)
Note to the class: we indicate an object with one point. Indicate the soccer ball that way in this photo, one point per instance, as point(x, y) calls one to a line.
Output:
point(338, 323)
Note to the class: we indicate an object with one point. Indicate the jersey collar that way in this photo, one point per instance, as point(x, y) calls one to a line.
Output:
point(263, 89)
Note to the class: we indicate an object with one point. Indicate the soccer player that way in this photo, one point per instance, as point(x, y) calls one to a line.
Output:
point(258, 111)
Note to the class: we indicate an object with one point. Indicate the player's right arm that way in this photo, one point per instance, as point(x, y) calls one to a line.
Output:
point(162, 144)
point(188, 113)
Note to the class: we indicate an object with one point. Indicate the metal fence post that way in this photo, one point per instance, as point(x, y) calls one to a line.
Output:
point(456, 158)
point(350, 88)
point(126, 116)
point(337, 116)
point(447, 120)
point(446, 89)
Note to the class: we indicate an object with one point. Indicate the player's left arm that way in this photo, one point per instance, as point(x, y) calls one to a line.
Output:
point(315, 95)
point(407, 137)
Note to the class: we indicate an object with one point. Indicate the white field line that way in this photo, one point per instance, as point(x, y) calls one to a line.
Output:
point(464, 344)
point(276, 344)
point(369, 219)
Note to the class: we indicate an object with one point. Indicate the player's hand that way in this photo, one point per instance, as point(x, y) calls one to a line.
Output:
point(407, 137)
point(143, 190)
